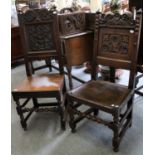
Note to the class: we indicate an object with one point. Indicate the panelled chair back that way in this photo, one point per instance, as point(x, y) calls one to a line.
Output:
point(39, 29)
point(115, 44)
point(76, 39)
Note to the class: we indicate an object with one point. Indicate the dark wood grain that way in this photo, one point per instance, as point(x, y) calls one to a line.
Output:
point(77, 40)
point(16, 46)
point(116, 44)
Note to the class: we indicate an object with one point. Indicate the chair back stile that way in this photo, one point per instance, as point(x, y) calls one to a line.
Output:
point(138, 27)
point(116, 42)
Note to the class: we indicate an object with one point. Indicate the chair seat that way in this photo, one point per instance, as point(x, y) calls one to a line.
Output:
point(101, 94)
point(40, 83)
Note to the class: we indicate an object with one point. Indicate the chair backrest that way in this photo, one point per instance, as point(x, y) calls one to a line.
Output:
point(72, 23)
point(77, 37)
point(40, 35)
point(116, 42)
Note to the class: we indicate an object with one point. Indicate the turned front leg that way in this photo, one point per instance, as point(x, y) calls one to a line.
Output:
point(116, 131)
point(20, 113)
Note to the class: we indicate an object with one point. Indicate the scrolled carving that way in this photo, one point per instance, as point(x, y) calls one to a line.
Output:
point(39, 37)
point(112, 43)
point(72, 23)
point(38, 27)
point(35, 15)
point(117, 19)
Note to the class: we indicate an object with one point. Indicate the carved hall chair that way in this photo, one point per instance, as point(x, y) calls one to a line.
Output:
point(39, 24)
point(76, 40)
point(115, 44)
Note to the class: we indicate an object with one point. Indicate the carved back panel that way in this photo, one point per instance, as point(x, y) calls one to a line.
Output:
point(39, 31)
point(116, 36)
point(116, 40)
point(40, 36)
point(72, 23)
point(114, 43)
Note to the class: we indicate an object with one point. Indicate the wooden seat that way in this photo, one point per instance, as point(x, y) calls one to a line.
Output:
point(105, 94)
point(44, 23)
point(116, 44)
point(41, 83)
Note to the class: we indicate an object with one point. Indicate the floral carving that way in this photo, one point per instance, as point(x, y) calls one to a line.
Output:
point(39, 37)
point(35, 15)
point(114, 44)
point(114, 36)
point(117, 19)
point(38, 24)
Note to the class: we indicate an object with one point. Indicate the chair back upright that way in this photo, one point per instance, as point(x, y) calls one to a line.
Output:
point(40, 36)
point(116, 42)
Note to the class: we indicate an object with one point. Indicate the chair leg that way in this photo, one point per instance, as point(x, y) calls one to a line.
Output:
point(24, 125)
point(35, 102)
point(20, 113)
point(71, 117)
point(29, 69)
point(33, 70)
point(63, 122)
point(72, 124)
point(137, 89)
point(69, 77)
point(112, 74)
point(130, 103)
point(49, 64)
point(96, 112)
point(116, 132)
point(62, 117)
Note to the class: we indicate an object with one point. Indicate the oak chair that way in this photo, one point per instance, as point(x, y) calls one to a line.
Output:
point(115, 44)
point(39, 27)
